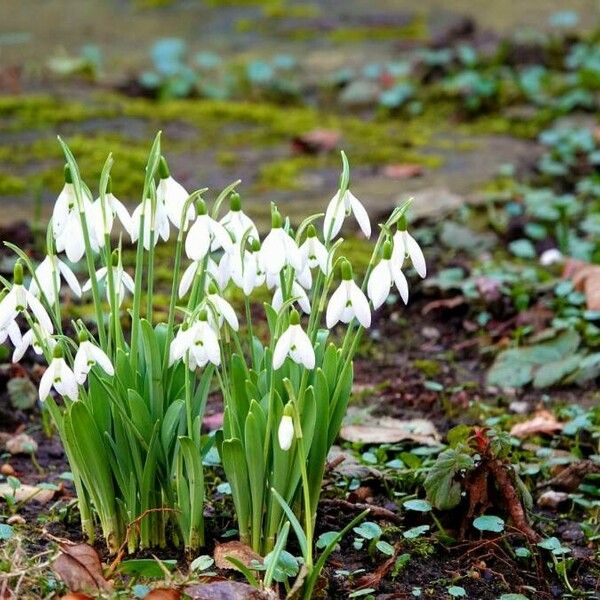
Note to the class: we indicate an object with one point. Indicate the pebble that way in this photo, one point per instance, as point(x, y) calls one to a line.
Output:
point(519, 407)
point(431, 333)
point(21, 444)
point(552, 499)
point(16, 520)
point(7, 470)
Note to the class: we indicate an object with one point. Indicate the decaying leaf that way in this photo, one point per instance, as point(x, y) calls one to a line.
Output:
point(237, 551)
point(163, 594)
point(22, 393)
point(387, 430)
point(27, 493)
point(80, 568)
point(403, 170)
point(227, 590)
point(21, 444)
point(542, 422)
point(585, 278)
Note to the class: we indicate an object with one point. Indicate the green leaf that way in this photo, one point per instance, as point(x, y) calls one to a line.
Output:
point(368, 530)
point(513, 597)
point(415, 532)
point(6, 532)
point(234, 463)
point(456, 591)
point(255, 463)
point(440, 484)
point(201, 563)
point(385, 548)
point(300, 535)
point(146, 567)
point(417, 505)
point(489, 523)
point(522, 248)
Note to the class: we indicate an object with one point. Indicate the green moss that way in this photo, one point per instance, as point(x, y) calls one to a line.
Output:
point(11, 185)
point(415, 30)
point(429, 368)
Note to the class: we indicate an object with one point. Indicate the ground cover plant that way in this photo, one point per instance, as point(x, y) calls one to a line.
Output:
point(466, 462)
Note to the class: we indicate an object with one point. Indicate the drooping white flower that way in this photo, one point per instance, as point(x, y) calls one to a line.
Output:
point(294, 343)
point(67, 227)
point(37, 338)
point(337, 210)
point(247, 271)
point(104, 216)
point(48, 275)
point(285, 433)
point(220, 310)
point(304, 277)
point(12, 332)
point(405, 245)
point(297, 292)
point(314, 254)
point(19, 299)
point(173, 197)
point(236, 222)
point(188, 276)
point(156, 222)
point(347, 302)
point(89, 355)
point(206, 232)
point(197, 343)
point(123, 282)
point(385, 274)
point(279, 249)
point(59, 376)
point(550, 257)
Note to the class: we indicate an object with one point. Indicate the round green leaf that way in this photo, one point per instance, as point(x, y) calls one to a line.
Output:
point(456, 591)
point(489, 523)
point(6, 532)
point(415, 532)
point(418, 505)
point(202, 563)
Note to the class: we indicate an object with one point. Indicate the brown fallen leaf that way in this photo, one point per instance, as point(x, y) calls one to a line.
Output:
point(542, 422)
point(448, 303)
point(585, 278)
point(163, 594)
point(316, 141)
point(387, 430)
point(237, 551)
point(571, 476)
point(227, 590)
point(80, 568)
point(403, 171)
point(21, 444)
point(27, 493)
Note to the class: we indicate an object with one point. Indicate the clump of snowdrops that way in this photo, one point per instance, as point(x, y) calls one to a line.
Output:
point(127, 391)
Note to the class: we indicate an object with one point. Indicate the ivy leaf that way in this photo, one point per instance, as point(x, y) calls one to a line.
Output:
point(441, 486)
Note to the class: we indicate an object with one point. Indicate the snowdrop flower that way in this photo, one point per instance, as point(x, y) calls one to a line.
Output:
point(279, 249)
point(298, 293)
point(198, 344)
point(67, 227)
point(338, 208)
point(304, 277)
point(204, 232)
point(551, 257)
point(180, 344)
point(314, 254)
point(59, 376)
point(347, 302)
point(48, 274)
point(405, 245)
point(104, 215)
point(384, 275)
point(156, 222)
point(87, 356)
point(12, 332)
point(285, 433)
point(294, 343)
point(248, 272)
point(188, 276)
point(36, 337)
point(19, 299)
point(173, 197)
point(221, 309)
point(123, 282)
point(236, 222)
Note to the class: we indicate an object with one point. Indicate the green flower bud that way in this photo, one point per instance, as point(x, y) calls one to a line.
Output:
point(255, 245)
point(402, 226)
point(346, 270)
point(294, 317)
point(235, 202)
point(163, 168)
point(212, 288)
point(311, 231)
point(83, 336)
point(18, 273)
point(288, 410)
point(68, 176)
point(275, 219)
point(387, 250)
point(203, 315)
point(58, 351)
point(201, 207)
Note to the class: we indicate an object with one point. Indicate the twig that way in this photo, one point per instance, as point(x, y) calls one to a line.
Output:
point(375, 511)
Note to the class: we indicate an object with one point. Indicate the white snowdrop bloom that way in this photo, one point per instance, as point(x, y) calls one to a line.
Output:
point(59, 376)
point(123, 282)
point(35, 338)
point(173, 197)
point(203, 233)
point(314, 254)
point(12, 332)
point(298, 293)
point(221, 309)
point(279, 249)
point(551, 257)
point(104, 216)
point(337, 210)
point(248, 272)
point(180, 344)
point(347, 302)
point(294, 343)
point(285, 433)
point(188, 276)
point(383, 276)
point(204, 344)
point(236, 222)
point(48, 274)
point(156, 222)
point(88, 355)
point(304, 277)
point(405, 245)
point(65, 203)
point(19, 299)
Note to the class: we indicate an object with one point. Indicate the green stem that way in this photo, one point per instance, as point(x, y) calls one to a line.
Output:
point(137, 296)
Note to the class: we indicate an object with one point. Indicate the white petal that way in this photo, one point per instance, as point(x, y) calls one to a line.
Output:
point(70, 278)
point(273, 252)
point(122, 213)
point(8, 308)
point(197, 242)
point(379, 283)
point(226, 310)
point(81, 365)
point(334, 217)
point(401, 283)
point(21, 348)
point(285, 433)
point(304, 348)
point(360, 214)
point(337, 304)
point(399, 249)
point(101, 358)
point(360, 304)
point(14, 333)
point(187, 279)
point(416, 254)
point(39, 312)
point(46, 381)
point(282, 347)
point(221, 236)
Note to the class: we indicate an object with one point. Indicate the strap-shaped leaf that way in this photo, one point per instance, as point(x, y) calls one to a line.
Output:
point(234, 463)
point(254, 440)
point(195, 479)
point(300, 535)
